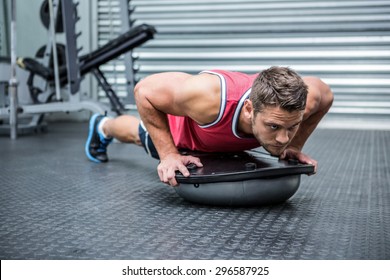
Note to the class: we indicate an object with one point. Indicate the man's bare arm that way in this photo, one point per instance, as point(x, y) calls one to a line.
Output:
point(155, 97)
point(177, 94)
point(319, 101)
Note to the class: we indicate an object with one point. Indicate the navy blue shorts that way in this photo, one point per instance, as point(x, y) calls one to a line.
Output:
point(147, 142)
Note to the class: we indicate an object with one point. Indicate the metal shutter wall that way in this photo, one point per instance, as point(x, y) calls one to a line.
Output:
point(346, 43)
point(109, 26)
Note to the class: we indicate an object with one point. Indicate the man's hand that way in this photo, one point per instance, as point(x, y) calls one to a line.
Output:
point(175, 162)
point(293, 153)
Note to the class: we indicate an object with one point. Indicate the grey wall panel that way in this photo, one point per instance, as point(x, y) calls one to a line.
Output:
point(346, 43)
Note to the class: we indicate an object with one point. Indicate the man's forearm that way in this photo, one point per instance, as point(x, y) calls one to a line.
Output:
point(304, 131)
point(160, 133)
point(156, 123)
point(309, 125)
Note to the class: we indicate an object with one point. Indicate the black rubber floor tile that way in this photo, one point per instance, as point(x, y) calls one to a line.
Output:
point(55, 204)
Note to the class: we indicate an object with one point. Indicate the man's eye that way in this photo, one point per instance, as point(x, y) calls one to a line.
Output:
point(293, 127)
point(274, 126)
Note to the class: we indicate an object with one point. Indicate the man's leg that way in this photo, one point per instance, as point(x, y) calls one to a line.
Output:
point(103, 129)
point(123, 128)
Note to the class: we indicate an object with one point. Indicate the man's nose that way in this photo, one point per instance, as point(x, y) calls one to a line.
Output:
point(282, 137)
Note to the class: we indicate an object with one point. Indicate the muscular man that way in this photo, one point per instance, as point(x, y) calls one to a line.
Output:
point(216, 111)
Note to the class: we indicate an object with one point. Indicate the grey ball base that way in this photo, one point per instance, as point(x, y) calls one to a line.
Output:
point(241, 179)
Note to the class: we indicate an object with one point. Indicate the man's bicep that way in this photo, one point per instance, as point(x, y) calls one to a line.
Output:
point(162, 91)
point(315, 86)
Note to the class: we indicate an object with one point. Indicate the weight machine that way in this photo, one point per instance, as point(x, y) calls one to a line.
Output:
point(46, 74)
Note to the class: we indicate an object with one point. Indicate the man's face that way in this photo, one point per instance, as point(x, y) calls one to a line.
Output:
point(274, 128)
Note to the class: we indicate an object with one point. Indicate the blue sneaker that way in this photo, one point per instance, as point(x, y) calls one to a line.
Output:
point(96, 145)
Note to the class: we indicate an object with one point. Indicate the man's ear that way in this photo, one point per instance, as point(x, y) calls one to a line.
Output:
point(248, 109)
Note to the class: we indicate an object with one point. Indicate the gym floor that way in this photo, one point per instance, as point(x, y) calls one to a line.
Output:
point(55, 204)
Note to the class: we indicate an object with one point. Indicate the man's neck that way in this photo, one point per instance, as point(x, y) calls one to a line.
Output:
point(244, 126)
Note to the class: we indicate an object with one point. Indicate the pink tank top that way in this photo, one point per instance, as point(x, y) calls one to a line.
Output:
point(221, 135)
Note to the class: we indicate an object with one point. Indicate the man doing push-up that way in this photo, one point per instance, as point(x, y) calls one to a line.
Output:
point(216, 111)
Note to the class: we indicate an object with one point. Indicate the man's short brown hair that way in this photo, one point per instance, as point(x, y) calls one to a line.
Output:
point(278, 86)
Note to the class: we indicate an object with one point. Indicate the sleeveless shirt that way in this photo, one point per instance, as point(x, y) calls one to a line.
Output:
point(221, 135)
